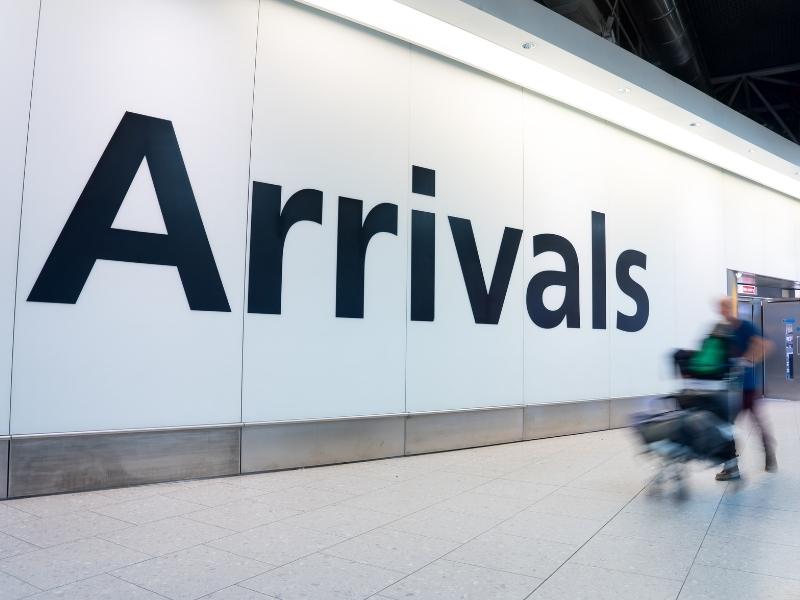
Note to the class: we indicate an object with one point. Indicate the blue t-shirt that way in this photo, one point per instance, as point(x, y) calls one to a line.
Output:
point(743, 333)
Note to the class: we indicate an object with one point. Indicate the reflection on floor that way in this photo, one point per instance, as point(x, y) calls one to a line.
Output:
point(568, 518)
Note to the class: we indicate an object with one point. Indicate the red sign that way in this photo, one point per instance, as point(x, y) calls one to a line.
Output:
point(747, 290)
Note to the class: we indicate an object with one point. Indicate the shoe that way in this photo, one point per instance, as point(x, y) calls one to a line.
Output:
point(728, 475)
point(771, 463)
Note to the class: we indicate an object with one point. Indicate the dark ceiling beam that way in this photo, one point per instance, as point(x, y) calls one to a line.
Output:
point(777, 81)
point(758, 73)
point(772, 111)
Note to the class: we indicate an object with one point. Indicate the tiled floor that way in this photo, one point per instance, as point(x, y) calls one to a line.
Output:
point(566, 518)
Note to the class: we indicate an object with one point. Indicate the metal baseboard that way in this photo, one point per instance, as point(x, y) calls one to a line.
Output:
point(565, 418)
point(3, 469)
point(272, 446)
point(50, 464)
point(74, 463)
point(434, 432)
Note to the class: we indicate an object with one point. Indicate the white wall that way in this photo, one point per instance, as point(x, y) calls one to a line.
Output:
point(345, 111)
point(17, 44)
point(130, 353)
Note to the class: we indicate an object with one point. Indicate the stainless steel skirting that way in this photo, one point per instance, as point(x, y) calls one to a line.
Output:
point(32, 465)
point(3, 468)
point(432, 432)
point(86, 462)
point(274, 446)
point(564, 418)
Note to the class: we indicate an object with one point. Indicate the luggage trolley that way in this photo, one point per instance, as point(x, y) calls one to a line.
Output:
point(693, 424)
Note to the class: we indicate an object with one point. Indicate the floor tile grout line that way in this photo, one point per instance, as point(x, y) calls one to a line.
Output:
point(781, 577)
point(110, 574)
point(400, 517)
point(705, 535)
point(590, 539)
point(444, 557)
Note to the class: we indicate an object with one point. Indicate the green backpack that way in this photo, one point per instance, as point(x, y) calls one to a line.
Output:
point(711, 360)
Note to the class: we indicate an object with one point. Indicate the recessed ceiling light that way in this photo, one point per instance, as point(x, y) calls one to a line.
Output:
point(528, 45)
point(623, 90)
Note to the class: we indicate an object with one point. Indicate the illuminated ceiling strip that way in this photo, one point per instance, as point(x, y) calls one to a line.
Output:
point(415, 27)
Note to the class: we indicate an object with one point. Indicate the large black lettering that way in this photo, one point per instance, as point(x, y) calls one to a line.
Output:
point(568, 279)
point(636, 321)
point(486, 305)
point(351, 251)
point(423, 265)
point(598, 270)
point(88, 235)
point(268, 230)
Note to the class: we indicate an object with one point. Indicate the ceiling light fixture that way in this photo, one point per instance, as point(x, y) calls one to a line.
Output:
point(528, 45)
point(394, 18)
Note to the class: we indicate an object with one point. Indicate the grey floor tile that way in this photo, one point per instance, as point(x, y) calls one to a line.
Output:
point(446, 524)
point(60, 504)
point(760, 524)
point(444, 483)
point(656, 559)
point(446, 580)
point(60, 565)
point(390, 549)
point(524, 491)
point(102, 587)
point(545, 526)
point(214, 493)
point(242, 515)
point(12, 588)
point(279, 480)
point(236, 592)
point(146, 510)
point(323, 577)
point(277, 543)
point(676, 532)
point(738, 553)
point(341, 520)
point(712, 583)
point(11, 546)
point(191, 573)
point(350, 484)
point(570, 505)
point(582, 582)
point(523, 556)
point(166, 536)
point(668, 505)
point(9, 515)
point(303, 498)
point(473, 503)
point(392, 501)
point(134, 492)
point(63, 528)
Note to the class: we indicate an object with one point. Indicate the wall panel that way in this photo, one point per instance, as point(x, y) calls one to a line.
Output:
point(331, 114)
point(567, 166)
point(18, 21)
point(466, 127)
point(130, 353)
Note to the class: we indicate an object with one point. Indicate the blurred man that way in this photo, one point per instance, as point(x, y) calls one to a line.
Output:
point(747, 344)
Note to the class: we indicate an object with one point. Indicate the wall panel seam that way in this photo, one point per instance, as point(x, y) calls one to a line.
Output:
point(19, 227)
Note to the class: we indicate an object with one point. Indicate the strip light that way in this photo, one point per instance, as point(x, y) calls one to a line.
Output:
point(406, 23)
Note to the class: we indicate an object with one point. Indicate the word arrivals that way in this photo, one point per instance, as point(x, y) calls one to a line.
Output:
point(88, 236)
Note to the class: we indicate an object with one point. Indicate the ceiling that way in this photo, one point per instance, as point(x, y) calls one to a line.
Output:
point(748, 51)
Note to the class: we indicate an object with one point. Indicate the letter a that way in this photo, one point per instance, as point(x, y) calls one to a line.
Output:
point(88, 235)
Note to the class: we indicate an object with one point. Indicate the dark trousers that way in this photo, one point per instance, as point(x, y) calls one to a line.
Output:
point(751, 404)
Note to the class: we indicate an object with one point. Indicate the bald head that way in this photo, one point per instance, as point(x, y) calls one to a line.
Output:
point(726, 308)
